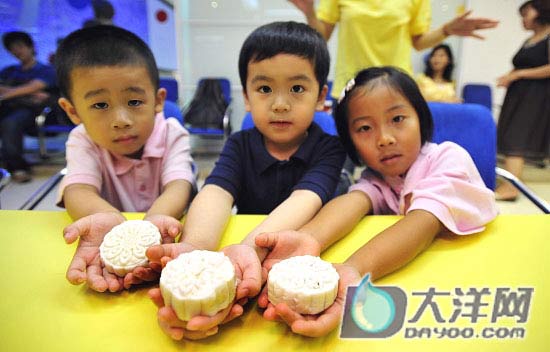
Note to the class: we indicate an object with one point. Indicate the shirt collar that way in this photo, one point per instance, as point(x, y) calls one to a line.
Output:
point(263, 160)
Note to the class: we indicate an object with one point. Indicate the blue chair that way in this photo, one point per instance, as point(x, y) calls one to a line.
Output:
point(171, 109)
point(52, 121)
point(472, 127)
point(478, 94)
point(171, 86)
point(321, 118)
point(225, 85)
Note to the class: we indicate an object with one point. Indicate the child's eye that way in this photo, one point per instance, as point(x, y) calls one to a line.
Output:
point(100, 106)
point(297, 89)
point(135, 102)
point(398, 118)
point(264, 89)
point(363, 128)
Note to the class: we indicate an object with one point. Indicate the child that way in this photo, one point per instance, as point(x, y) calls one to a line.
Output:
point(124, 156)
point(384, 122)
point(285, 167)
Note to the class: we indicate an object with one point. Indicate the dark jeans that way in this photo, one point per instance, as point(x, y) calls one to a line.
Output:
point(13, 123)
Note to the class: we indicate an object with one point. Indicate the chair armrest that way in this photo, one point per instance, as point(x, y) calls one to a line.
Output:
point(539, 202)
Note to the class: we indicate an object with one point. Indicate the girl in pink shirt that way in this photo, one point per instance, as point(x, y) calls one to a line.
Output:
point(384, 123)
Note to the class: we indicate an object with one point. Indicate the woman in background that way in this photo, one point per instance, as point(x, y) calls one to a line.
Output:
point(436, 83)
point(524, 123)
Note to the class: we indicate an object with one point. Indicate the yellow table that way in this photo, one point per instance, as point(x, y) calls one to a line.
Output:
point(41, 311)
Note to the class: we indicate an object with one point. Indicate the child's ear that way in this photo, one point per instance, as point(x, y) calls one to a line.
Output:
point(159, 100)
point(70, 110)
point(246, 102)
point(320, 106)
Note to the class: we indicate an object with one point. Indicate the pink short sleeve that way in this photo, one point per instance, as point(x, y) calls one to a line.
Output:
point(83, 162)
point(452, 189)
point(177, 163)
point(377, 191)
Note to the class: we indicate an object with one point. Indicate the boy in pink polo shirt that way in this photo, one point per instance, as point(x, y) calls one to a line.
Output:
point(124, 155)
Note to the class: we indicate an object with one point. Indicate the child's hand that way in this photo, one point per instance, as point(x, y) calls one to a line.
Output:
point(286, 244)
point(168, 226)
point(198, 327)
point(325, 322)
point(283, 245)
point(160, 255)
point(86, 265)
point(248, 272)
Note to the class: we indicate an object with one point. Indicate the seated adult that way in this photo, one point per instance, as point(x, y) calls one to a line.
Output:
point(436, 84)
point(23, 93)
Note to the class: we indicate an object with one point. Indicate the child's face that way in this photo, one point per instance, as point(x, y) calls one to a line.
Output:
point(116, 104)
point(385, 129)
point(282, 93)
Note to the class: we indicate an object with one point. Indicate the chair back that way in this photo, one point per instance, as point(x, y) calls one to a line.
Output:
point(171, 86)
point(472, 127)
point(321, 118)
point(478, 94)
point(225, 117)
point(225, 85)
point(171, 109)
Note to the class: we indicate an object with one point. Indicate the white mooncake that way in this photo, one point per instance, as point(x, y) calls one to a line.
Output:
point(307, 284)
point(123, 248)
point(198, 283)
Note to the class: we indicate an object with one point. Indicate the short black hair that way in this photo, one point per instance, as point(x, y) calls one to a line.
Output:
point(101, 46)
point(10, 38)
point(291, 38)
point(448, 71)
point(542, 7)
point(394, 78)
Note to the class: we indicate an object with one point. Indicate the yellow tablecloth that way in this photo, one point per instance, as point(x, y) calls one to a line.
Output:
point(41, 311)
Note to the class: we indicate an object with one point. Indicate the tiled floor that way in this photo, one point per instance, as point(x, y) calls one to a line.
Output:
point(14, 195)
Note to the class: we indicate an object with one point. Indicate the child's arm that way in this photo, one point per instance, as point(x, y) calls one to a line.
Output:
point(207, 217)
point(397, 245)
point(293, 213)
point(386, 252)
point(173, 200)
point(82, 200)
point(336, 219)
point(204, 225)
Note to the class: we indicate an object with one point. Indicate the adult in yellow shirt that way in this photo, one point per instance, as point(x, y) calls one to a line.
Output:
point(381, 32)
point(436, 83)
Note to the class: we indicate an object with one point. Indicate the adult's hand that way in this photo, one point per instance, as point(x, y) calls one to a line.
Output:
point(86, 264)
point(466, 26)
point(306, 6)
point(507, 79)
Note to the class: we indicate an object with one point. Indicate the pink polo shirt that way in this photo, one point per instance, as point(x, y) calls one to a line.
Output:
point(443, 181)
point(130, 184)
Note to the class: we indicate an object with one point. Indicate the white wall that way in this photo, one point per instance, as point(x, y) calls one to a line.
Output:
point(209, 34)
point(484, 61)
